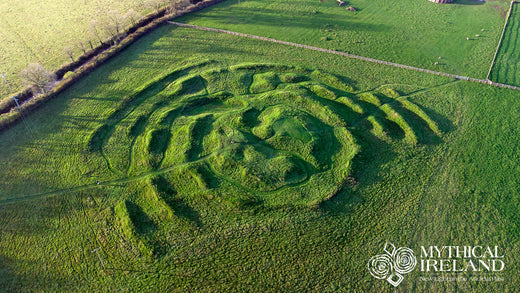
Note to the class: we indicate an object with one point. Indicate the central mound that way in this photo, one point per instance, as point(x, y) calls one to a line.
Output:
point(249, 134)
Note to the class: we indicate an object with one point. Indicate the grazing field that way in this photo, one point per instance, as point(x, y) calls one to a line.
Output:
point(506, 68)
point(38, 31)
point(414, 33)
point(231, 164)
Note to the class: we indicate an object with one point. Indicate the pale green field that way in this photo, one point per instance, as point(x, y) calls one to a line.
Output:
point(409, 32)
point(35, 31)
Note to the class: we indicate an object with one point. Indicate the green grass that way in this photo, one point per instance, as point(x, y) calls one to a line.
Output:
point(293, 128)
point(414, 33)
point(505, 69)
point(281, 153)
point(38, 31)
point(185, 222)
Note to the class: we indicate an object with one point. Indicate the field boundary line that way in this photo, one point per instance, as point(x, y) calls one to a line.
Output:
point(373, 60)
point(501, 39)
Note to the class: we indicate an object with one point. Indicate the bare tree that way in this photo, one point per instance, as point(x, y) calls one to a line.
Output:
point(36, 76)
point(110, 30)
point(113, 25)
point(172, 6)
point(132, 17)
point(94, 31)
point(117, 20)
point(178, 5)
point(69, 52)
point(89, 41)
point(82, 46)
point(154, 4)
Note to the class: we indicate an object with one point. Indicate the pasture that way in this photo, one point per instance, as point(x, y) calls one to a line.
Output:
point(199, 161)
point(38, 32)
point(413, 33)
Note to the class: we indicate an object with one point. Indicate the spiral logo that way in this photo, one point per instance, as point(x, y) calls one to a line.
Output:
point(405, 260)
point(392, 264)
point(380, 266)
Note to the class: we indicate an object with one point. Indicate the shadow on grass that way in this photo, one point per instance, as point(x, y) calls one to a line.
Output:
point(229, 13)
point(469, 2)
point(167, 192)
point(17, 275)
point(142, 222)
point(376, 153)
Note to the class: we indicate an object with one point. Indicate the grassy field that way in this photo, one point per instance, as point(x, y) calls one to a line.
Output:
point(38, 31)
point(505, 69)
point(414, 33)
point(216, 157)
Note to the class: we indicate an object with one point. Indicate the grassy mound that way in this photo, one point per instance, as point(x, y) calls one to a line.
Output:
point(280, 135)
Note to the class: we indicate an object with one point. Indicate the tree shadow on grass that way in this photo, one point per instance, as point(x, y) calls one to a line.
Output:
point(469, 2)
point(200, 43)
point(42, 234)
point(16, 275)
point(273, 19)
